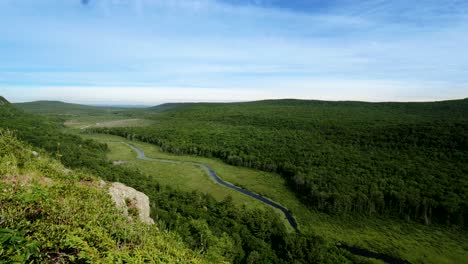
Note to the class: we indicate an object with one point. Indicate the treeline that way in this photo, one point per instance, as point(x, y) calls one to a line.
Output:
point(216, 230)
point(395, 160)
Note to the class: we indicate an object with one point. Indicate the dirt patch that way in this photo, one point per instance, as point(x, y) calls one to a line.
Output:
point(46, 181)
point(26, 179)
point(18, 179)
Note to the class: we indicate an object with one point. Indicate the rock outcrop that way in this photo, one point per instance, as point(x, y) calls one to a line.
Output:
point(132, 202)
point(119, 162)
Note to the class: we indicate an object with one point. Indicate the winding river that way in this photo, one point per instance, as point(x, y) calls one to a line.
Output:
point(217, 179)
point(287, 214)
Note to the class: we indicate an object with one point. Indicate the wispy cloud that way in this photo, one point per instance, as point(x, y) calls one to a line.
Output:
point(397, 46)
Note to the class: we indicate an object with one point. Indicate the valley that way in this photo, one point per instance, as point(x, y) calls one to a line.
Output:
point(401, 239)
point(378, 234)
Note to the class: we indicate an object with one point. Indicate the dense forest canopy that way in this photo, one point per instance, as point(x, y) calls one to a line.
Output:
point(216, 230)
point(404, 160)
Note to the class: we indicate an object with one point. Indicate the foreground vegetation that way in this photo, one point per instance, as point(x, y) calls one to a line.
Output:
point(52, 215)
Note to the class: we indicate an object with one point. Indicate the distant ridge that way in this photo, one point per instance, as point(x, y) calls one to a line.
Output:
point(169, 106)
point(457, 108)
point(58, 107)
point(300, 101)
point(47, 103)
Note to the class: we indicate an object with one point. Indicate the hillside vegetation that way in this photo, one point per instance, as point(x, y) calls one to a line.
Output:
point(405, 160)
point(216, 231)
point(52, 215)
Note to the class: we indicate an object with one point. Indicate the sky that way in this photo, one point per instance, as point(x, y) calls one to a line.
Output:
point(155, 51)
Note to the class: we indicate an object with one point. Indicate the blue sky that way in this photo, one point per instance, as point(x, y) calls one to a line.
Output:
point(152, 51)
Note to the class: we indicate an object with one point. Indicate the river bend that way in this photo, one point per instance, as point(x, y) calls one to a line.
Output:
point(212, 174)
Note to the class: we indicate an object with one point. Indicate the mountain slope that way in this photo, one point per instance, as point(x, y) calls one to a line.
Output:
point(44, 133)
point(54, 215)
point(61, 108)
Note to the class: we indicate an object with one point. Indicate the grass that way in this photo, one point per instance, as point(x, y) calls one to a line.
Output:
point(414, 242)
point(134, 122)
point(110, 120)
point(184, 177)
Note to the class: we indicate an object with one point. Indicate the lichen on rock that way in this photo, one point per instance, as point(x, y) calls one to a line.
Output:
point(128, 199)
point(119, 162)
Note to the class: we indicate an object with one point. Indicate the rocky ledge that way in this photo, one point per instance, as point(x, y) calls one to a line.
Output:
point(132, 202)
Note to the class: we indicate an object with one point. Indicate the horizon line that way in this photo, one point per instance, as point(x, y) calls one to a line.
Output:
point(140, 104)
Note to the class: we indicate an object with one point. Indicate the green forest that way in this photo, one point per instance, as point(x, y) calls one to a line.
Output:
point(215, 231)
point(404, 160)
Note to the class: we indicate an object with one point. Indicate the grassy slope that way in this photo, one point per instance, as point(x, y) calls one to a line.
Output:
point(50, 215)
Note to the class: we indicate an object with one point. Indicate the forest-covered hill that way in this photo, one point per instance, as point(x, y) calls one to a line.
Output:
point(200, 228)
point(58, 107)
point(405, 160)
